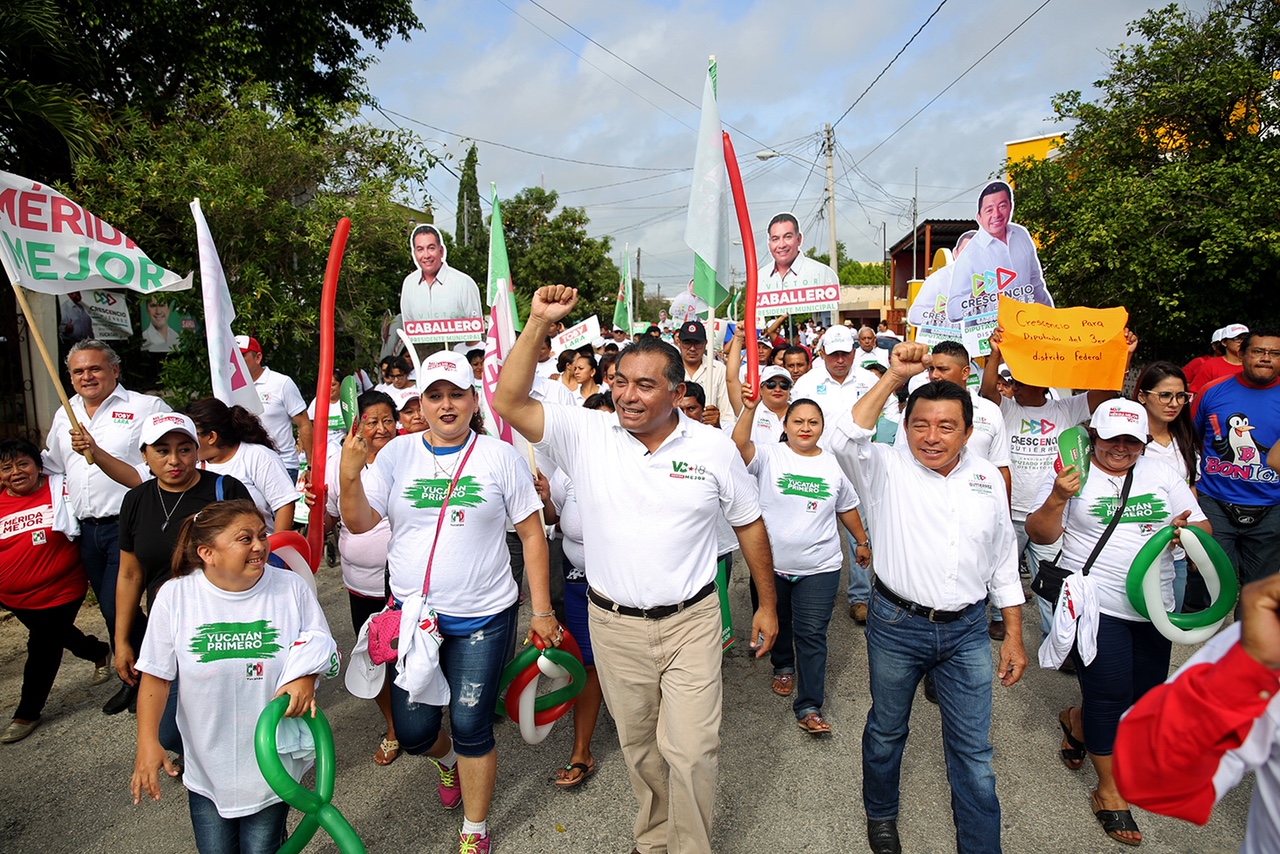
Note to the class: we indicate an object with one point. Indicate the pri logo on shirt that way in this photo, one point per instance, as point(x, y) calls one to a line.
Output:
point(811, 507)
point(38, 538)
point(457, 516)
point(253, 671)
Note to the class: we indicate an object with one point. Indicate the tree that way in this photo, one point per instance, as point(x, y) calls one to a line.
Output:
point(272, 191)
point(852, 272)
point(1165, 196)
point(646, 306)
point(469, 250)
point(152, 55)
point(544, 249)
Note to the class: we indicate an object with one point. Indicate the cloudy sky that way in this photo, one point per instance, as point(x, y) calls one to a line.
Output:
point(599, 100)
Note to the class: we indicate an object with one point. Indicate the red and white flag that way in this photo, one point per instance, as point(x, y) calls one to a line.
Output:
point(228, 373)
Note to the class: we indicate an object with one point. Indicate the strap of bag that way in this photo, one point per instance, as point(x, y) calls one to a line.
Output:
point(426, 582)
point(217, 487)
point(1111, 526)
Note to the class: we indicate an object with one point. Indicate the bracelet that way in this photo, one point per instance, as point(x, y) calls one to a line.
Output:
point(548, 614)
point(865, 545)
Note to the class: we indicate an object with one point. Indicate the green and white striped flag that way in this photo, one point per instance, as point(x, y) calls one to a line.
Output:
point(622, 311)
point(707, 228)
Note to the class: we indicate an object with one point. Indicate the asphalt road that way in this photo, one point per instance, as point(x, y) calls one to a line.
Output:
point(65, 788)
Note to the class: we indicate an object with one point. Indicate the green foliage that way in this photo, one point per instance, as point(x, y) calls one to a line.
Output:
point(647, 307)
point(548, 248)
point(852, 272)
point(40, 113)
point(1166, 195)
point(272, 191)
point(470, 249)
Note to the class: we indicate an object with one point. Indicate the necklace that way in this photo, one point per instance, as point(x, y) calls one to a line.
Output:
point(168, 514)
point(447, 472)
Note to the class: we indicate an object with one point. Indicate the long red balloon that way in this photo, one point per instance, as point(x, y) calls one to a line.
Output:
point(749, 250)
point(320, 427)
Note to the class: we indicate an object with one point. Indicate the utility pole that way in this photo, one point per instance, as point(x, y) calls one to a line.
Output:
point(915, 227)
point(831, 197)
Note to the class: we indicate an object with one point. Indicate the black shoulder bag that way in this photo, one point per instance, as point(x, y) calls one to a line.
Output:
point(1048, 581)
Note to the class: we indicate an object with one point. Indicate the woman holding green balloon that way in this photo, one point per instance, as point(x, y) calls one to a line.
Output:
point(1131, 655)
point(239, 633)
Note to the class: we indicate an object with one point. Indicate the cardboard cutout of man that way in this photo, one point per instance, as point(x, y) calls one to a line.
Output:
point(790, 269)
point(435, 291)
point(1000, 261)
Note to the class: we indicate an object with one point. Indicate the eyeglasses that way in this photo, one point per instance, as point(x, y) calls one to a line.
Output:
point(1258, 351)
point(1167, 397)
point(785, 385)
point(397, 375)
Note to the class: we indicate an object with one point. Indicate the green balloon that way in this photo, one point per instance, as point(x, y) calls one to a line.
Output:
point(319, 812)
point(1073, 450)
point(1149, 555)
point(347, 394)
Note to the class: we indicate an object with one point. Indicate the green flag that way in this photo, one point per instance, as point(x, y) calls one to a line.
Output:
point(622, 311)
point(707, 228)
point(499, 266)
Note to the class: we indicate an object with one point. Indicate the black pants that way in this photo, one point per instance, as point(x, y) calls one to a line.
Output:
point(50, 631)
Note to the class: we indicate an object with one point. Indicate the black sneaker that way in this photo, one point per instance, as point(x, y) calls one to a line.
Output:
point(883, 836)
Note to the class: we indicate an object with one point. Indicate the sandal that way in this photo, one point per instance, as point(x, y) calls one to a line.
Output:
point(814, 724)
point(574, 774)
point(783, 683)
point(388, 751)
point(1074, 756)
point(1115, 822)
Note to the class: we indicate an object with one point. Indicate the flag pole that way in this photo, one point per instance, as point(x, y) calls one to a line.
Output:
point(34, 331)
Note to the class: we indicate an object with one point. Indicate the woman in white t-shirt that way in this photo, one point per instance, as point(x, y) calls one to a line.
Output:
point(1162, 389)
point(1132, 656)
point(586, 373)
point(234, 442)
point(803, 494)
point(484, 482)
point(238, 633)
point(364, 556)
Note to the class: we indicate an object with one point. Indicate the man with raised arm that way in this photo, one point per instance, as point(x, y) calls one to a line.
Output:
point(930, 595)
point(649, 482)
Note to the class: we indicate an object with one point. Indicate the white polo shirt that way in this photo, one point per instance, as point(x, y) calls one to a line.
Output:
point(281, 400)
point(116, 427)
point(649, 519)
point(835, 398)
point(963, 547)
point(711, 376)
point(990, 437)
point(878, 354)
point(985, 254)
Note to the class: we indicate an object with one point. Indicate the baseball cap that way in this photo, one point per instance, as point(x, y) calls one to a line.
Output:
point(769, 372)
point(1120, 417)
point(838, 339)
point(693, 331)
point(401, 396)
point(248, 344)
point(445, 365)
point(156, 425)
point(1217, 336)
point(1234, 330)
point(1006, 374)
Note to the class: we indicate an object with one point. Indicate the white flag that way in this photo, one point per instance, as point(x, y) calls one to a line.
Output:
point(232, 383)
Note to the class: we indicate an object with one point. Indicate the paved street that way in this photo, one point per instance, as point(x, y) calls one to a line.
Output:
point(65, 788)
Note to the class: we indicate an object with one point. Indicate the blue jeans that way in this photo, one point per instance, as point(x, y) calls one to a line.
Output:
point(260, 833)
point(901, 649)
point(859, 578)
point(804, 610)
point(473, 667)
point(1179, 583)
point(1254, 551)
point(100, 554)
point(1133, 658)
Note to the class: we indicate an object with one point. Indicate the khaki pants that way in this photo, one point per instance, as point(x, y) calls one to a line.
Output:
point(661, 681)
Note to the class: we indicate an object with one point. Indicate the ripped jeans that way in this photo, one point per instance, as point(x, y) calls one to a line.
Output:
point(472, 664)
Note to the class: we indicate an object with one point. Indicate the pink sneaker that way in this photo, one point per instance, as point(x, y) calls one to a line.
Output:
point(450, 791)
point(472, 843)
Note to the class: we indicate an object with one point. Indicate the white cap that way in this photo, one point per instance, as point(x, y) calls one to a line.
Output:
point(401, 396)
point(155, 426)
point(1217, 336)
point(448, 366)
point(838, 339)
point(1120, 417)
point(1234, 330)
point(769, 372)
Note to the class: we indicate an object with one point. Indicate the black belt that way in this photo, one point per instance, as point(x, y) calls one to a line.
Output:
point(657, 613)
point(102, 520)
point(933, 615)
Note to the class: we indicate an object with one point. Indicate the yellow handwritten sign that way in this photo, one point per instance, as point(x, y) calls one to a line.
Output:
point(1080, 348)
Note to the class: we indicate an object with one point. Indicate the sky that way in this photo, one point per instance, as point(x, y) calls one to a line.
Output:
point(599, 100)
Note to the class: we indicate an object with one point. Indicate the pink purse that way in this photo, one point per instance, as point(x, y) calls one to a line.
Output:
point(384, 626)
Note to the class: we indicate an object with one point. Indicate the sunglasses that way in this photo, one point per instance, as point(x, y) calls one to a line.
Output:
point(785, 385)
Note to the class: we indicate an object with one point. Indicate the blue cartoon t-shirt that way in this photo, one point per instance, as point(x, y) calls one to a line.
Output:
point(1240, 423)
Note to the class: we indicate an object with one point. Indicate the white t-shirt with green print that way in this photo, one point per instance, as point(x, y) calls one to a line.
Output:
point(1157, 495)
point(471, 572)
point(799, 499)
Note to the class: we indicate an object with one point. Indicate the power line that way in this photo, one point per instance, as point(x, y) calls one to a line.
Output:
point(537, 153)
point(957, 80)
point(884, 70)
